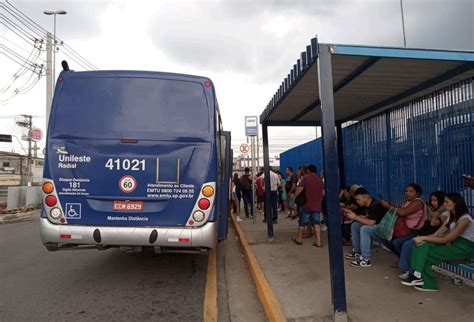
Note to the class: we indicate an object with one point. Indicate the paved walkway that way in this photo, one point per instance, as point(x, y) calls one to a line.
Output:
point(299, 276)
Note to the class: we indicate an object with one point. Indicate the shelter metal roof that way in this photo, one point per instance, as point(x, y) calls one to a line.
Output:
point(366, 81)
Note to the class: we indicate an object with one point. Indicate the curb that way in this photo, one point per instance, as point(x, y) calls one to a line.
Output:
point(210, 296)
point(13, 218)
point(268, 299)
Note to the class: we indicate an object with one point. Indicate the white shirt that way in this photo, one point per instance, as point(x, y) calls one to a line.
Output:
point(274, 181)
point(468, 233)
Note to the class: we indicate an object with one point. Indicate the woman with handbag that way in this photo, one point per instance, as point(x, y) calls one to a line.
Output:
point(411, 217)
point(438, 218)
point(458, 244)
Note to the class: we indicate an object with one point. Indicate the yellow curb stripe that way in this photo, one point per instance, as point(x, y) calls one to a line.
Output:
point(210, 297)
point(265, 293)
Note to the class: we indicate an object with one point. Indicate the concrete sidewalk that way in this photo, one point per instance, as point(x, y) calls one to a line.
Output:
point(299, 276)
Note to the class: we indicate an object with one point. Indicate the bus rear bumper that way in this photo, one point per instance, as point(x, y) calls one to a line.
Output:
point(55, 237)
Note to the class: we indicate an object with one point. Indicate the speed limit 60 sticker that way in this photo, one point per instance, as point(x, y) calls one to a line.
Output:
point(128, 184)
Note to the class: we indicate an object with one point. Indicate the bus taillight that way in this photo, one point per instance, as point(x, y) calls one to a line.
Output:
point(55, 213)
point(208, 191)
point(204, 204)
point(48, 187)
point(51, 201)
point(199, 216)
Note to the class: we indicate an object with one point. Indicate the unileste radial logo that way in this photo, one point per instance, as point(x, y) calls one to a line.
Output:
point(128, 184)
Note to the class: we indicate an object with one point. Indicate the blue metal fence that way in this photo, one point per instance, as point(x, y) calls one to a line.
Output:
point(305, 154)
point(428, 140)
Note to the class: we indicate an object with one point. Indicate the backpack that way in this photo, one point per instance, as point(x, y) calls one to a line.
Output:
point(245, 183)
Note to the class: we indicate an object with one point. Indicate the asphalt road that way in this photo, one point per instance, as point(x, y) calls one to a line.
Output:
point(95, 285)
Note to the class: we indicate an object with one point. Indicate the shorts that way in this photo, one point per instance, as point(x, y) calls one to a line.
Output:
point(259, 199)
point(307, 217)
point(234, 197)
point(291, 201)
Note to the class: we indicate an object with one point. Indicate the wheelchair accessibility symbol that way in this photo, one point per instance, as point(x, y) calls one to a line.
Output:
point(73, 211)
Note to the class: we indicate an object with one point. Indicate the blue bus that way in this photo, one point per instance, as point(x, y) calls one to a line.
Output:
point(136, 160)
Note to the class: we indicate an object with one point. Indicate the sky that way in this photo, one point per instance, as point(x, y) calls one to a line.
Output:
point(246, 47)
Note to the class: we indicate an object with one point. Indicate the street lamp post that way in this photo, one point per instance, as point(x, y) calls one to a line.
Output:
point(54, 13)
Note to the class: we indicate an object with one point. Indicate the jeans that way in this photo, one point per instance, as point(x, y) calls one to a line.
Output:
point(274, 205)
point(396, 244)
point(405, 255)
point(362, 239)
point(281, 201)
point(247, 196)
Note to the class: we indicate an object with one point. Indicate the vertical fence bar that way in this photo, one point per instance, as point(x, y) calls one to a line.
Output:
point(388, 162)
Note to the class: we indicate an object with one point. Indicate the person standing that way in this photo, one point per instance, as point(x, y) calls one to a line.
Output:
point(235, 196)
point(281, 192)
point(259, 185)
point(290, 186)
point(313, 188)
point(246, 188)
point(274, 182)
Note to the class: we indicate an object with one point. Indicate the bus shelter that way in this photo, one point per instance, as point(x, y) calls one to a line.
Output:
point(330, 85)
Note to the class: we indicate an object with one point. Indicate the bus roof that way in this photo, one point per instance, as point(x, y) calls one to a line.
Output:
point(134, 73)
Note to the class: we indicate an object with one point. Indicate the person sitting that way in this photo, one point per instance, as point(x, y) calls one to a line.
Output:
point(347, 200)
point(411, 217)
point(457, 244)
point(437, 217)
point(363, 227)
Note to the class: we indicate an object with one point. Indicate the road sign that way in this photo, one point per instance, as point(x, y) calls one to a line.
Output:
point(251, 126)
point(36, 134)
point(244, 148)
point(128, 184)
point(5, 138)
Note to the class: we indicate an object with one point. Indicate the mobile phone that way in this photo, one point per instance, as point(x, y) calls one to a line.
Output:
point(466, 176)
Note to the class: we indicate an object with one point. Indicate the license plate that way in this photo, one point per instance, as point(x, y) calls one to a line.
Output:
point(126, 205)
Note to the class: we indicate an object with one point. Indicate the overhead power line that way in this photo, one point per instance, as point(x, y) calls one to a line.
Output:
point(71, 53)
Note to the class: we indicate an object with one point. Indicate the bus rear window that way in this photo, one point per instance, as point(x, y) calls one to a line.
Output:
point(107, 105)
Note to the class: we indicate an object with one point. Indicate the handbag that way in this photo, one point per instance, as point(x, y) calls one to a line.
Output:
point(401, 229)
point(385, 228)
point(300, 200)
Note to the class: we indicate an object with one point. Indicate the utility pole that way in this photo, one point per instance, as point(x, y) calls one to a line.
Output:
point(49, 76)
point(27, 122)
point(403, 24)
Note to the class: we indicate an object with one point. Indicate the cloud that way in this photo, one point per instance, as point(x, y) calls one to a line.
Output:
point(81, 21)
point(265, 37)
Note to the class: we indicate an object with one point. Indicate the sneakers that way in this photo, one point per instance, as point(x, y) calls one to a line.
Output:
point(238, 219)
point(361, 263)
point(412, 280)
point(353, 255)
point(404, 276)
point(386, 248)
point(324, 227)
point(418, 288)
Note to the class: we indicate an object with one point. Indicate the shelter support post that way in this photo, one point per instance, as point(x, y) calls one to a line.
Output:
point(267, 196)
point(340, 152)
point(336, 261)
